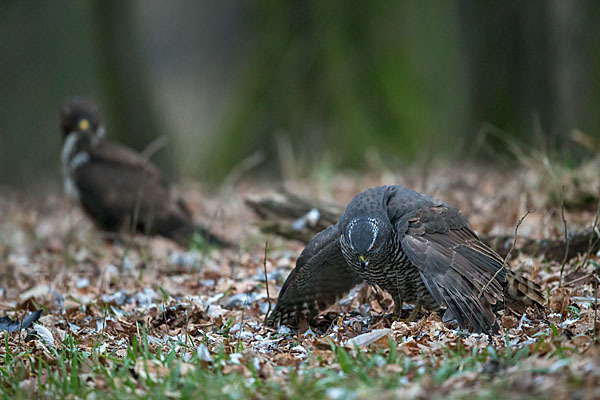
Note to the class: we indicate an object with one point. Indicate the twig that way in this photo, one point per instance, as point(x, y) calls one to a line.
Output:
point(514, 243)
point(581, 278)
point(241, 328)
point(427, 163)
point(187, 321)
point(240, 169)
point(231, 179)
point(20, 332)
point(105, 322)
point(153, 147)
point(267, 280)
point(562, 214)
point(596, 309)
point(590, 244)
point(214, 216)
point(130, 229)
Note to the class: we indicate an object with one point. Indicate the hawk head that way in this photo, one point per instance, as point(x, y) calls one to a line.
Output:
point(367, 239)
point(80, 115)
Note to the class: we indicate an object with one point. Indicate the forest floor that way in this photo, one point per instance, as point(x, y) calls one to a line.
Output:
point(141, 317)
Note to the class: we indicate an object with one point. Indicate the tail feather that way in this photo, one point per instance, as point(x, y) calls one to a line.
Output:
point(181, 230)
point(521, 292)
point(210, 237)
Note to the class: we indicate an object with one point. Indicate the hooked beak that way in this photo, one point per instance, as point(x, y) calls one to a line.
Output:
point(363, 261)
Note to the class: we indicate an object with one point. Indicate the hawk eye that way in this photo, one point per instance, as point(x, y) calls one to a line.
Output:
point(372, 248)
point(84, 125)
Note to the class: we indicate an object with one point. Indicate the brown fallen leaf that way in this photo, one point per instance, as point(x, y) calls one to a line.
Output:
point(236, 368)
point(509, 321)
point(559, 301)
point(150, 369)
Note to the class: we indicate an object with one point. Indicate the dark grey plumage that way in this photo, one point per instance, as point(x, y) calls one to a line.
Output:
point(116, 186)
point(418, 249)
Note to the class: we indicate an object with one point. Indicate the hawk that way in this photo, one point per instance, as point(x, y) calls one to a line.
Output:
point(418, 249)
point(117, 187)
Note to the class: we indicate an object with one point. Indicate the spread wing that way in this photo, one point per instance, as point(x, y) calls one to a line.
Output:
point(320, 278)
point(454, 264)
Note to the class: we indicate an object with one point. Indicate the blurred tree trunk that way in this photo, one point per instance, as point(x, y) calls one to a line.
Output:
point(126, 91)
point(533, 69)
point(346, 80)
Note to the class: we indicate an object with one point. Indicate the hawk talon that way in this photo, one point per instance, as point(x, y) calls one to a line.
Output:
point(412, 317)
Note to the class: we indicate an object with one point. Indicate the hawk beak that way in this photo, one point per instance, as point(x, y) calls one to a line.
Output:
point(363, 261)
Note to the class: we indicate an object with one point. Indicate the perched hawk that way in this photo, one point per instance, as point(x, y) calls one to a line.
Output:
point(420, 250)
point(116, 186)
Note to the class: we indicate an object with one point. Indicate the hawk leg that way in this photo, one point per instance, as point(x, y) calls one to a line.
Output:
point(398, 306)
point(412, 317)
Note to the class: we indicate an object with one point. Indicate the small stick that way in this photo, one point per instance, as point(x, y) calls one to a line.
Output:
point(569, 283)
point(562, 214)
point(153, 147)
point(187, 321)
point(267, 279)
point(105, 322)
point(242, 324)
point(514, 243)
point(590, 244)
point(596, 309)
point(20, 332)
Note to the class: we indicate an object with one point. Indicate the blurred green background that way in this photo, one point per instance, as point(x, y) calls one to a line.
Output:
point(302, 82)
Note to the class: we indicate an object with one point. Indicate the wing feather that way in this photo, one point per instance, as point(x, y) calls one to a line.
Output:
point(116, 154)
point(454, 265)
point(114, 193)
point(320, 278)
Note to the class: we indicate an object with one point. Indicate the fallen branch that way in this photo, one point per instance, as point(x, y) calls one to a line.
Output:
point(551, 249)
point(279, 213)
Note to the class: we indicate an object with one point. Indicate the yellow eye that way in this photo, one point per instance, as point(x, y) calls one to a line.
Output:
point(84, 125)
point(372, 248)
